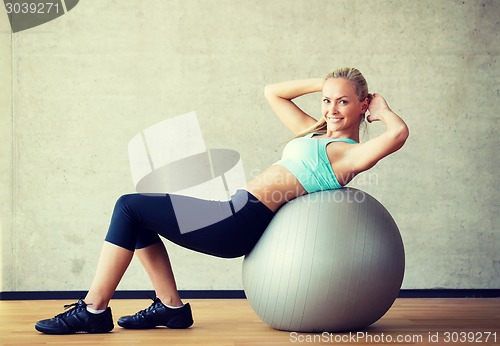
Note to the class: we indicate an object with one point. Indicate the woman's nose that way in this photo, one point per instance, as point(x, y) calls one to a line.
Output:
point(333, 109)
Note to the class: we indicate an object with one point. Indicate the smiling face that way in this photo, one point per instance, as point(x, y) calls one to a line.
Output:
point(341, 108)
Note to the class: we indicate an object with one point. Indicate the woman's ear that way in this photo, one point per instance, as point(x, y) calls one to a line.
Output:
point(364, 106)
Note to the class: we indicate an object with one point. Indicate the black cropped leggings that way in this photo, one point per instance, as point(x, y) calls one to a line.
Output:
point(226, 229)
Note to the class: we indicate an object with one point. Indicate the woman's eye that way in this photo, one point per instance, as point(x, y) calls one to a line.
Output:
point(343, 102)
point(326, 100)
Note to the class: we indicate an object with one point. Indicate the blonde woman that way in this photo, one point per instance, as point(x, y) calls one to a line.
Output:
point(325, 154)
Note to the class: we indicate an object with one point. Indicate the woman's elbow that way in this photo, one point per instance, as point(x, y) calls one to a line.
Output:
point(268, 91)
point(404, 133)
point(400, 136)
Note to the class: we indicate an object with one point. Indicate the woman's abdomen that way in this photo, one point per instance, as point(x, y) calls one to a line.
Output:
point(275, 186)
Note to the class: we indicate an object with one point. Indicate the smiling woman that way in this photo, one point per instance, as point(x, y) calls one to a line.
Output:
point(326, 153)
point(341, 108)
point(326, 158)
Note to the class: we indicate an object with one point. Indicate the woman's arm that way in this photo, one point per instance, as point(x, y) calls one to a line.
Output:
point(365, 155)
point(280, 96)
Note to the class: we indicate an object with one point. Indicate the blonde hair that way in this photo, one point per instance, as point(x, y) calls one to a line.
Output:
point(360, 87)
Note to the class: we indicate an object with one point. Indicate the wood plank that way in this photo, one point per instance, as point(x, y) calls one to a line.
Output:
point(221, 322)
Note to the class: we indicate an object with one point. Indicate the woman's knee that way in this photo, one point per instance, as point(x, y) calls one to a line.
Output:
point(125, 200)
point(127, 204)
point(123, 227)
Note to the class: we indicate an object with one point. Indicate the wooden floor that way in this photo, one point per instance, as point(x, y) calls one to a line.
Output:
point(232, 322)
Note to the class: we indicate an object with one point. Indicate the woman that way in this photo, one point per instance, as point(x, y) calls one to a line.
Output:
point(325, 154)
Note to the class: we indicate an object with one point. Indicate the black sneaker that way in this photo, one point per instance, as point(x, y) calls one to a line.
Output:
point(77, 320)
point(159, 315)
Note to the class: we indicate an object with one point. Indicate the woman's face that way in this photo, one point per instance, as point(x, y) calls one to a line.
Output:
point(340, 107)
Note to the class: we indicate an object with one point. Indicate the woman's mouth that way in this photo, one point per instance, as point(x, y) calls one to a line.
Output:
point(334, 119)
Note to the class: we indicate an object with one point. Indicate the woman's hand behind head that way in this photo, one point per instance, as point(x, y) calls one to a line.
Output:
point(377, 107)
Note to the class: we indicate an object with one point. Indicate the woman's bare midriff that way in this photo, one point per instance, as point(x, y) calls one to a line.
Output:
point(275, 186)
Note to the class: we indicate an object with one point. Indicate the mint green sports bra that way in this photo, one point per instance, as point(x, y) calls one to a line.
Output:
point(307, 160)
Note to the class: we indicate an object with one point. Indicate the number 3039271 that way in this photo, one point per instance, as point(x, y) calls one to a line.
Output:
point(31, 7)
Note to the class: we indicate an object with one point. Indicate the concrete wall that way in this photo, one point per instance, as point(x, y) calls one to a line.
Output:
point(76, 89)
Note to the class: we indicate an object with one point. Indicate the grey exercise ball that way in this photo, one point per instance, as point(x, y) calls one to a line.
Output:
point(329, 261)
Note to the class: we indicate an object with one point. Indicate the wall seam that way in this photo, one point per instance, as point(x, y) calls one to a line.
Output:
point(13, 164)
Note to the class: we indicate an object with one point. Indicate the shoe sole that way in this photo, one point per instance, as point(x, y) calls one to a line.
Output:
point(170, 325)
point(56, 332)
point(179, 324)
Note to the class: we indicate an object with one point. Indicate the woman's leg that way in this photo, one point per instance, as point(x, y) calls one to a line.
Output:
point(155, 260)
point(132, 222)
point(113, 262)
point(128, 232)
point(167, 308)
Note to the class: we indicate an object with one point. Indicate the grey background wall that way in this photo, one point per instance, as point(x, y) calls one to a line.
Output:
point(76, 89)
